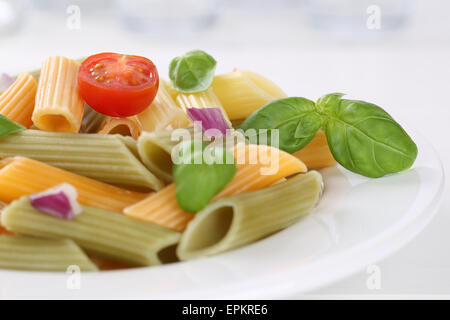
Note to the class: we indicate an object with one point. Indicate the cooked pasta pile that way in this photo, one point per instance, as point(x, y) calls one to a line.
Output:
point(122, 170)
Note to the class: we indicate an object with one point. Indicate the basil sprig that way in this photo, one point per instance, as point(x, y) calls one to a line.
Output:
point(192, 72)
point(201, 173)
point(362, 137)
point(8, 127)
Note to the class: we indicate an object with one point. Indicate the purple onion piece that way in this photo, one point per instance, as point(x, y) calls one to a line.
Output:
point(210, 118)
point(59, 201)
point(5, 81)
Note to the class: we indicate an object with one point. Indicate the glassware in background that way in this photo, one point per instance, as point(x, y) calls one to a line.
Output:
point(256, 5)
point(164, 17)
point(87, 6)
point(11, 16)
point(349, 18)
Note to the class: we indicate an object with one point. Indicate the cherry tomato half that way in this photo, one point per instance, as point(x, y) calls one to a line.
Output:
point(118, 85)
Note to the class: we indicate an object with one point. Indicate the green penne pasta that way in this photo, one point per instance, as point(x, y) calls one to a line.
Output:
point(26, 253)
point(108, 158)
point(238, 220)
point(92, 120)
point(155, 150)
point(99, 232)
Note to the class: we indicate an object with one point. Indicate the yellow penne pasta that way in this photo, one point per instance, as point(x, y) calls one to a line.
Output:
point(173, 92)
point(265, 84)
point(125, 126)
point(316, 154)
point(253, 173)
point(202, 99)
point(17, 103)
point(2, 229)
point(163, 113)
point(59, 106)
point(21, 176)
point(243, 92)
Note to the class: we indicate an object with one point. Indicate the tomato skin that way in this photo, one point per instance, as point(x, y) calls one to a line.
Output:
point(118, 85)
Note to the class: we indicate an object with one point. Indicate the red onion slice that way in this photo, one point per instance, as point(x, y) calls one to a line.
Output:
point(210, 118)
point(60, 201)
point(5, 81)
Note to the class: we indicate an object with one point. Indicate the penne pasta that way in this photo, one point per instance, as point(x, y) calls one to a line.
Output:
point(155, 150)
point(241, 219)
point(243, 92)
point(203, 99)
point(124, 126)
point(107, 264)
point(163, 113)
point(37, 73)
point(2, 229)
point(140, 182)
point(107, 234)
point(59, 106)
point(92, 120)
point(22, 176)
point(172, 92)
point(162, 207)
point(108, 158)
point(316, 154)
point(17, 102)
point(265, 84)
point(26, 253)
point(237, 123)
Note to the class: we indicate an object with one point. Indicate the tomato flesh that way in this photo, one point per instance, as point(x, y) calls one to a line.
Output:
point(118, 85)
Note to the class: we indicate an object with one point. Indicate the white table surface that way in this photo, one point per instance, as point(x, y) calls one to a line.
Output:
point(407, 73)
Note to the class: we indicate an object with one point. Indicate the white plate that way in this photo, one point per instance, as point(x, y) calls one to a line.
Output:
point(358, 222)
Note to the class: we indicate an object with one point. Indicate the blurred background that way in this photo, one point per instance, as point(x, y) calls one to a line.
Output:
point(316, 42)
point(391, 52)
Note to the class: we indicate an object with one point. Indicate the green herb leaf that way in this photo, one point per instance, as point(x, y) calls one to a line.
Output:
point(364, 138)
point(192, 72)
point(198, 178)
point(295, 118)
point(7, 126)
point(311, 122)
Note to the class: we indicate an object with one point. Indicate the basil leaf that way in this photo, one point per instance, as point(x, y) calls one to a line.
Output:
point(311, 122)
point(7, 126)
point(197, 183)
point(295, 118)
point(192, 72)
point(364, 138)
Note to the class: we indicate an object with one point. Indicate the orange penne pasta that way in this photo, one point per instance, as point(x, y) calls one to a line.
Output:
point(253, 174)
point(21, 176)
point(59, 106)
point(5, 231)
point(17, 103)
point(125, 126)
point(316, 154)
point(107, 264)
